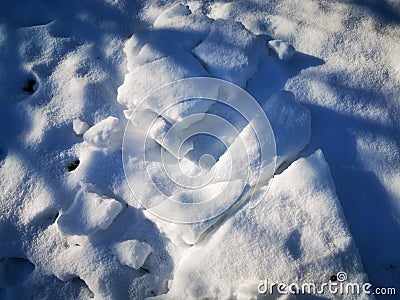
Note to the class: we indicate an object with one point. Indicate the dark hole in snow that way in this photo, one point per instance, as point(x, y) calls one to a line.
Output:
point(29, 86)
point(293, 243)
point(333, 278)
point(73, 165)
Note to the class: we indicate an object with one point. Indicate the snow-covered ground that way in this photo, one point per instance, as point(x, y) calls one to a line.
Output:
point(72, 77)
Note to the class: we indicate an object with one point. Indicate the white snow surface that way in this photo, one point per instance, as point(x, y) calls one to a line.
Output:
point(326, 73)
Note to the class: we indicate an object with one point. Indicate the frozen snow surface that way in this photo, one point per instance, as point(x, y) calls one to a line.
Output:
point(73, 73)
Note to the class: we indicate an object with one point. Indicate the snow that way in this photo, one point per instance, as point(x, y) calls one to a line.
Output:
point(291, 123)
point(74, 75)
point(88, 213)
point(100, 134)
point(174, 31)
point(297, 234)
point(238, 52)
point(132, 253)
point(174, 182)
point(153, 75)
point(79, 126)
point(283, 50)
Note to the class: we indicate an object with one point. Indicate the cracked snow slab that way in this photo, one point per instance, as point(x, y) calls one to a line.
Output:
point(292, 128)
point(225, 49)
point(297, 234)
point(230, 51)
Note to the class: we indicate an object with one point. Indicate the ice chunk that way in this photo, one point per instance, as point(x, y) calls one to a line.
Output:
point(89, 213)
point(132, 253)
point(291, 123)
point(283, 50)
point(297, 234)
point(100, 134)
point(230, 51)
point(79, 126)
point(144, 80)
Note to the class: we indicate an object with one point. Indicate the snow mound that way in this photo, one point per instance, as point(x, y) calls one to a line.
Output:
point(297, 234)
point(89, 213)
point(100, 134)
point(132, 253)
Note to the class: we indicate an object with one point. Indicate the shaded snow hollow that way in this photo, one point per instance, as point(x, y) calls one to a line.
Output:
point(72, 75)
